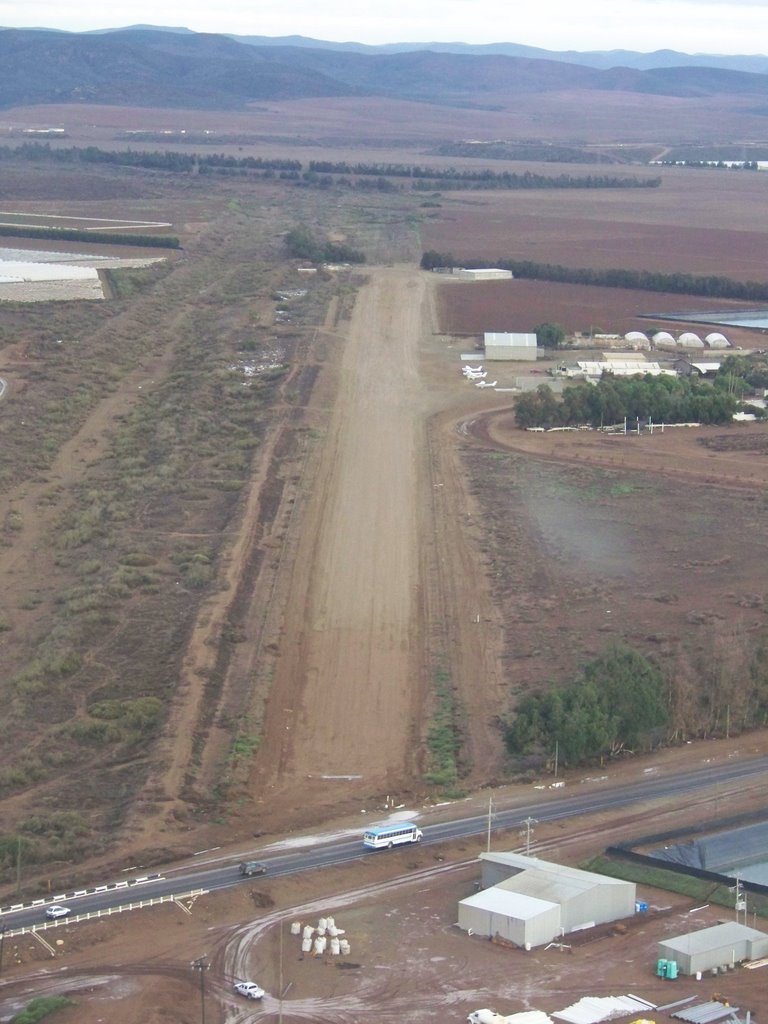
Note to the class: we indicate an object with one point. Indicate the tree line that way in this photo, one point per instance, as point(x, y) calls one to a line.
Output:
point(149, 159)
point(739, 165)
point(422, 178)
point(710, 286)
point(623, 701)
point(657, 399)
point(79, 235)
point(618, 701)
point(429, 178)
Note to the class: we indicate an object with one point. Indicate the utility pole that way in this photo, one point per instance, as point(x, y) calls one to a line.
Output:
point(528, 833)
point(280, 979)
point(18, 865)
point(741, 900)
point(557, 754)
point(2, 943)
point(490, 818)
point(201, 964)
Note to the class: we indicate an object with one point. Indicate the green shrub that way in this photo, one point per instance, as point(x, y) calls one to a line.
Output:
point(41, 1007)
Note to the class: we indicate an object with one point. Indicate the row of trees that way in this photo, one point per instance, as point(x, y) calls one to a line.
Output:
point(618, 701)
point(149, 159)
point(727, 165)
point(711, 285)
point(661, 399)
point(423, 178)
point(428, 178)
point(742, 373)
point(540, 152)
point(623, 701)
point(79, 235)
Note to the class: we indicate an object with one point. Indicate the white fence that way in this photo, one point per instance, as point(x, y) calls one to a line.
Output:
point(92, 915)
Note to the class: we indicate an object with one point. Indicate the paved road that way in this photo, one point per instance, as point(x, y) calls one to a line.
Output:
point(551, 806)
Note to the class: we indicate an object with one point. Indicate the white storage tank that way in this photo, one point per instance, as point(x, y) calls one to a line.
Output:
point(335, 947)
point(295, 927)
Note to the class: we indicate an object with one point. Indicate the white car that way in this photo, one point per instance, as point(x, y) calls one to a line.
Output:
point(249, 989)
point(55, 911)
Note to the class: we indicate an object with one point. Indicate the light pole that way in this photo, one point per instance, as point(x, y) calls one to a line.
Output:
point(202, 965)
point(2, 943)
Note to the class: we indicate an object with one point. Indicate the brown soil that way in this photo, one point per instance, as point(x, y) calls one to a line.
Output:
point(521, 305)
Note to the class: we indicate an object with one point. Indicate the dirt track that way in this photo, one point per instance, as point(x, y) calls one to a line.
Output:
point(348, 685)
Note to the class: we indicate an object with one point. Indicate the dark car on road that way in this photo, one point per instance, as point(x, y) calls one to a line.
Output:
point(252, 867)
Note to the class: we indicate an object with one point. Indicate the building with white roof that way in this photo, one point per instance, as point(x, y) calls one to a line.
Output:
point(722, 945)
point(532, 902)
point(595, 368)
point(502, 345)
point(482, 274)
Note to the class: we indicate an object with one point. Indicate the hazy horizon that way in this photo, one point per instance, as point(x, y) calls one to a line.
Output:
point(689, 26)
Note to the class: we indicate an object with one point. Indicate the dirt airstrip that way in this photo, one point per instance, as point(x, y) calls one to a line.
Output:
point(400, 564)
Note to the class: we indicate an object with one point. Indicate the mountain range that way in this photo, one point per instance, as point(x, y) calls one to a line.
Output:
point(165, 67)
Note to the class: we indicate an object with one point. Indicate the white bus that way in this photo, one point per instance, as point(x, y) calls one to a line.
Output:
point(387, 836)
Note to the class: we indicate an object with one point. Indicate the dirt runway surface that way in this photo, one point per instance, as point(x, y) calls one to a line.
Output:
point(348, 684)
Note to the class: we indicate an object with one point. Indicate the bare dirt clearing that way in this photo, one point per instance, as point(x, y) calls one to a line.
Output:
point(521, 305)
point(696, 222)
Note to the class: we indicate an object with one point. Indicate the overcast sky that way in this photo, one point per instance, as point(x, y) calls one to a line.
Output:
point(693, 26)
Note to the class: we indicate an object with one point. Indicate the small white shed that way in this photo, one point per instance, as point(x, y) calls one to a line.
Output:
point(722, 945)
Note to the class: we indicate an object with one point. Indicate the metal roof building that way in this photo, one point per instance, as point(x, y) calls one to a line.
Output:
point(719, 946)
point(482, 274)
point(532, 902)
point(595, 368)
point(521, 919)
point(502, 345)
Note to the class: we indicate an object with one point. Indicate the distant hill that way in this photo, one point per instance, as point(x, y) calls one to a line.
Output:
point(755, 63)
point(177, 68)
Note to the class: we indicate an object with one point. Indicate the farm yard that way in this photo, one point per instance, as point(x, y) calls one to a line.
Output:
point(267, 557)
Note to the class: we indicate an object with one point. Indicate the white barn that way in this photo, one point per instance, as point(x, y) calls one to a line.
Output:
point(531, 902)
point(482, 274)
point(722, 945)
point(501, 345)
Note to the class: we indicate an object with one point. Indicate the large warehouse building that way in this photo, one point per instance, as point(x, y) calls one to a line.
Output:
point(501, 345)
point(532, 902)
point(723, 945)
point(482, 274)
